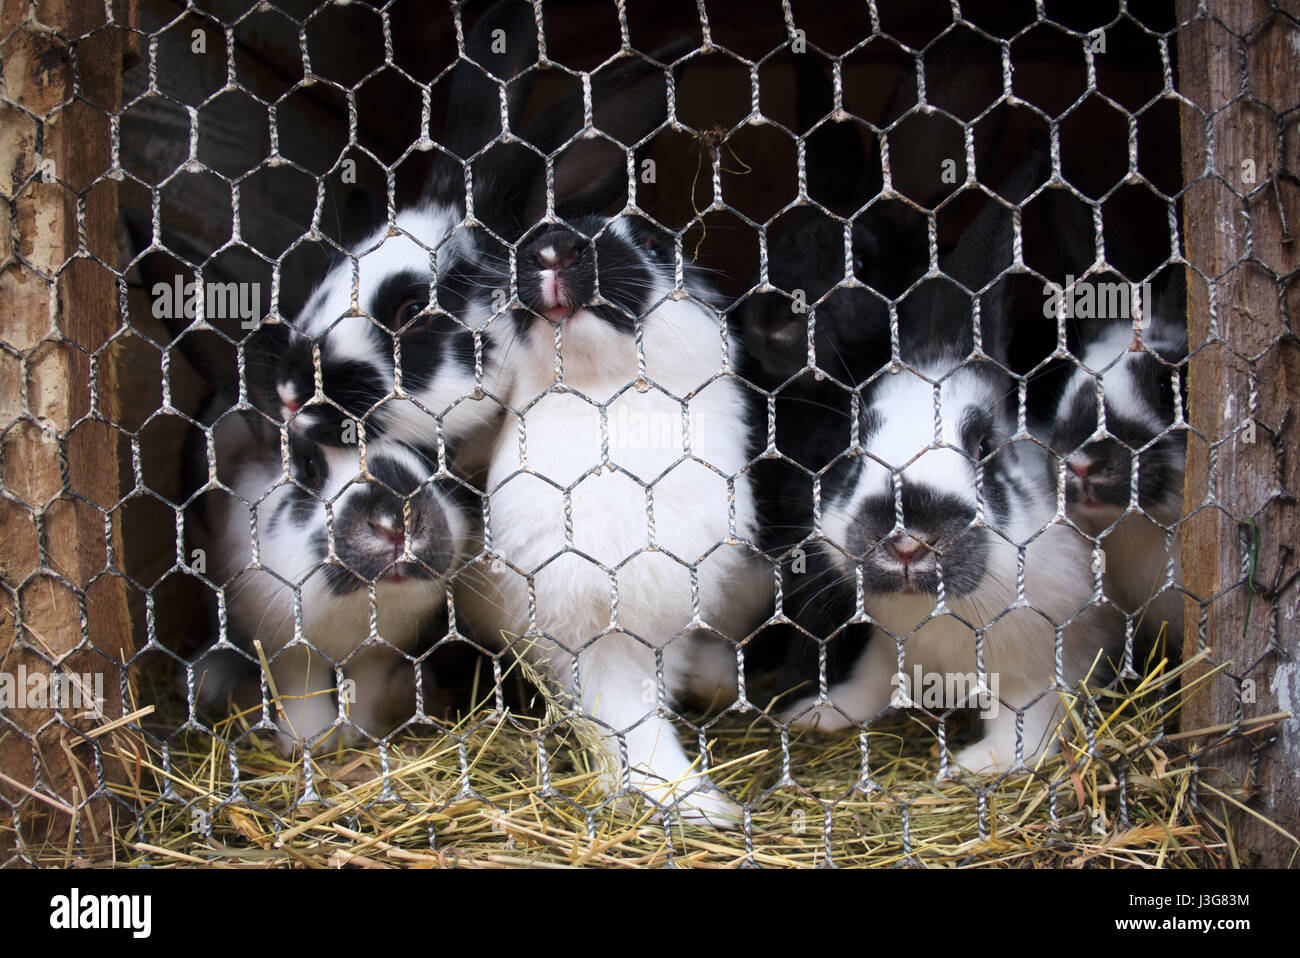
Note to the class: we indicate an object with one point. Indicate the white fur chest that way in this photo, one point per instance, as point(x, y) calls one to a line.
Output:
point(608, 493)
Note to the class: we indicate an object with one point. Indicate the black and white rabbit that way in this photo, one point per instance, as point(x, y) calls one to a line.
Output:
point(610, 555)
point(324, 485)
point(1119, 406)
point(943, 511)
point(435, 342)
point(335, 532)
point(423, 284)
point(847, 304)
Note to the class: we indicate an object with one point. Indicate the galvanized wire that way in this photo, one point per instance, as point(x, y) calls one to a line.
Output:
point(143, 84)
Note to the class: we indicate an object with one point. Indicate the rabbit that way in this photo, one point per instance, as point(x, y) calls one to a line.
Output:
point(848, 307)
point(292, 539)
point(1118, 402)
point(337, 532)
point(436, 342)
point(943, 509)
point(596, 578)
point(422, 286)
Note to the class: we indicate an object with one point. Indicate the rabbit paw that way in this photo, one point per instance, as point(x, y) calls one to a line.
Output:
point(707, 807)
point(985, 757)
point(808, 713)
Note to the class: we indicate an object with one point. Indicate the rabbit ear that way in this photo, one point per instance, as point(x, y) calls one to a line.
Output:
point(1169, 313)
point(988, 251)
point(628, 104)
point(840, 177)
point(362, 216)
point(940, 318)
point(966, 92)
point(500, 48)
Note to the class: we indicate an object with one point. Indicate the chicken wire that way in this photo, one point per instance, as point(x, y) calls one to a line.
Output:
point(14, 805)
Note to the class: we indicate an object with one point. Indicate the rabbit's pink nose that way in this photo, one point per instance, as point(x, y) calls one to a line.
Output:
point(1080, 466)
point(290, 400)
point(559, 253)
point(906, 549)
point(389, 532)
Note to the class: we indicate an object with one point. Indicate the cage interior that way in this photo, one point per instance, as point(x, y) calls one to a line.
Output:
point(259, 142)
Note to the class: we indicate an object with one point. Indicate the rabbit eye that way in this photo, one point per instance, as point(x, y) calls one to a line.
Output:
point(979, 447)
point(858, 262)
point(655, 247)
point(310, 469)
point(978, 433)
point(410, 312)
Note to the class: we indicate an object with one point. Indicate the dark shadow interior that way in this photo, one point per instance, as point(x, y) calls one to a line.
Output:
point(232, 136)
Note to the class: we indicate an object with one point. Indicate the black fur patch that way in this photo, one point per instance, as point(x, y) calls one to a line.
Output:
point(942, 521)
point(976, 431)
point(310, 470)
point(608, 266)
point(365, 554)
point(352, 387)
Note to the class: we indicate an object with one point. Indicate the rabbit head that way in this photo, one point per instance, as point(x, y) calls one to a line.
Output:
point(943, 490)
point(1114, 424)
point(406, 302)
point(334, 524)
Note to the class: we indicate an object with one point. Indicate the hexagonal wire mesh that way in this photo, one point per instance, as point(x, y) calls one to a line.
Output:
point(241, 135)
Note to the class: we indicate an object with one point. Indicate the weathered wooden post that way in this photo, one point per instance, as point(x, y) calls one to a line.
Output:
point(1241, 134)
point(63, 612)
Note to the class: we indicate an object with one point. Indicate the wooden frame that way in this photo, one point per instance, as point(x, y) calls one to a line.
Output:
point(1241, 466)
point(62, 607)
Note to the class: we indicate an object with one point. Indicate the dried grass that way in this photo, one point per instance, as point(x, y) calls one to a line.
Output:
point(505, 789)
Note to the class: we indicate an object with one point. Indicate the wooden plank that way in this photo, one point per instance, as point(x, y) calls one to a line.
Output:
point(59, 604)
point(1245, 371)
